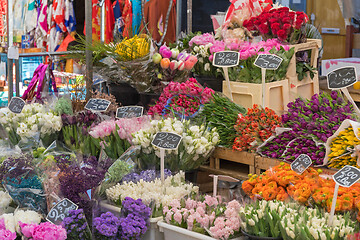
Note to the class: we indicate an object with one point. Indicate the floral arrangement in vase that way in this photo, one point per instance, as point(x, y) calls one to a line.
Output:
point(182, 99)
point(194, 149)
point(152, 192)
point(278, 219)
point(209, 216)
point(281, 23)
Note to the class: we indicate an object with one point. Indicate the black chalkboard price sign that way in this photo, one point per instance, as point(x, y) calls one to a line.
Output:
point(342, 78)
point(347, 176)
point(301, 163)
point(268, 61)
point(60, 211)
point(129, 112)
point(97, 104)
point(16, 105)
point(226, 59)
point(166, 140)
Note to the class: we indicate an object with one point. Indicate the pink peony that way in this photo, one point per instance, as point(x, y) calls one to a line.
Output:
point(43, 231)
point(7, 235)
point(202, 39)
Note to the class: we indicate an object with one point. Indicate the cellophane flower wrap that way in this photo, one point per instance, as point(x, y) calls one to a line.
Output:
point(282, 184)
point(183, 99)
point(115, 136)
point(222, 220)
point(278, 219)
point(254, 128)
point(153, 193)
point(311, 123)
point(131, 225)
point(194, 149)
point(76, 225)
point(35, 122)
point(281, 23)
point(76, 129)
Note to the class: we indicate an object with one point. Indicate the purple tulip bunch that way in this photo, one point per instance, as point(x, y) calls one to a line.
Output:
point(277, 146)
point(305, 146)
point(318, 117)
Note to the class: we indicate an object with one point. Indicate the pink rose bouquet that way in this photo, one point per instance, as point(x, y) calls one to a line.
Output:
point(184, 99)
point(222, 220)
point(115, 136)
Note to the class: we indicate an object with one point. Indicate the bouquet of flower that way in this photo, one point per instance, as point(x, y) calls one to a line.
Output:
point(153, 193)
point(221, 219)
point(132, 224)
point(76, 132)
point(254, 128)
point(194, 149)
point(221, 113)
point(115, 136)
point(281, 23)
point(12, 221)
point(277, 219)
point(318, 117)
point(184, 99)
point(43, 231)
point(33, 123)
point(76, 225)
point(248, 72)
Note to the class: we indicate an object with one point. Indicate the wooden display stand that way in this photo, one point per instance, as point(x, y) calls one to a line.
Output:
point(306, 87)
point(248, 94)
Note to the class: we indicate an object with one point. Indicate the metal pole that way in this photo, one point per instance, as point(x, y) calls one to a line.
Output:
point(178, 18)
point(89, 66)
point(102, 31)
point(189, 16)
point(18, 77)
point(9, 20)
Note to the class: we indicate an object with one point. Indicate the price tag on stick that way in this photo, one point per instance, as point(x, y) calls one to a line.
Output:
point(301, 163)
point(16, 105)
point(60, 211)
point(345, 177)
point(267, 61)
point(341, 79)
point(225, 60)
point(165, 140)
point(97, 104)
point(129, 112)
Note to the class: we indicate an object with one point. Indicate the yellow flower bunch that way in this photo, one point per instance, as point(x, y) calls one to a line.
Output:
point(133, 48)
point(340, 155)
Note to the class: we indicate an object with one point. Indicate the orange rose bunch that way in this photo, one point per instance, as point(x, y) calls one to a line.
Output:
point(281, 183)
point(254, 128)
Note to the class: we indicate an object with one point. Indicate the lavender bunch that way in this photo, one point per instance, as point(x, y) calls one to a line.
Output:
point(76, 225)
point(106, 227)
point(76, 129)
point(305, 146)
point(146, 176)
point(277, 146)
point(318, 117)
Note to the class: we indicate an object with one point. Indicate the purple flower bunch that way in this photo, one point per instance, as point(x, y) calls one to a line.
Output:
point(318, 117)
point(106, 226)
point(86, 118)
point(76, 225)
point(305, 146)
point(277, 146)
point(146, 175)
point(132, 225)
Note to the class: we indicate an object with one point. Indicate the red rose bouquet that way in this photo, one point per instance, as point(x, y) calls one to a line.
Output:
point(281, 23)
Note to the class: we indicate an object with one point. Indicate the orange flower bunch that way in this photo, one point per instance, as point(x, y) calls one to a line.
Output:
point(254, 128)
point(281, 183)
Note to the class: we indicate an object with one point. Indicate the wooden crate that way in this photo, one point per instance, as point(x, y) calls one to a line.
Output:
point(306, 87)
point(263, 163)
point(248, 94)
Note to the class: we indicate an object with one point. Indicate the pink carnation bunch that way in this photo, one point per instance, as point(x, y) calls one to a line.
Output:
point(200, 215)
point(43, 231)
point(183, 97)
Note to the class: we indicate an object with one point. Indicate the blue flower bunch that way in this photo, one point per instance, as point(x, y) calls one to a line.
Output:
point(131, 226)
point(147, 176)
point(76, 225)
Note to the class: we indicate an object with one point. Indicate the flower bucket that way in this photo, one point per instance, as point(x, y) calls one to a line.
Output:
point(172, 232)
point(259, 238)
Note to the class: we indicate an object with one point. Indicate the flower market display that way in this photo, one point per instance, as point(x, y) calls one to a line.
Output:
point(71, 171)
